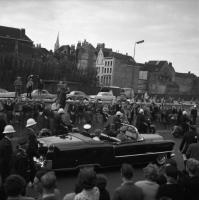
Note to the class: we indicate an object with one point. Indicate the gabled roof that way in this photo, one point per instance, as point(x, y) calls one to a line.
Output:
point(124, 58)
point(107, 52)
point(41, 51)
point(13, 33)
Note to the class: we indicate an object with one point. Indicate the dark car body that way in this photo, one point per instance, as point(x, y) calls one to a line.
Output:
point(76, 149)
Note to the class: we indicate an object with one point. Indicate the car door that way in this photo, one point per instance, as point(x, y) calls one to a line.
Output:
point(133, 152)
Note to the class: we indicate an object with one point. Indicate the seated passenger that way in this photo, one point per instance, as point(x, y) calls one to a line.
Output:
point(122, 136)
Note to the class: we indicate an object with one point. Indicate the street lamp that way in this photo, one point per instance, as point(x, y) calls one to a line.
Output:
point(138, 42)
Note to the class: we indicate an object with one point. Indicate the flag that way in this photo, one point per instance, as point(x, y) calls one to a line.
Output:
point(56, 43)
point(141, 41)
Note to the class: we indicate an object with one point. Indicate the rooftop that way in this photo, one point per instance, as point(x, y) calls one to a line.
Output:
point(14, 33)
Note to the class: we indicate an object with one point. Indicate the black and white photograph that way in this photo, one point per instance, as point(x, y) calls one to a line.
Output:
point(99, 99)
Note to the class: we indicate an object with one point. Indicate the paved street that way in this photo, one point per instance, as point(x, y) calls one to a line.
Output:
point(66, 180)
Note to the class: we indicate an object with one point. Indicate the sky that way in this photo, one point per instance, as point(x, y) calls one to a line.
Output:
point(169, 28)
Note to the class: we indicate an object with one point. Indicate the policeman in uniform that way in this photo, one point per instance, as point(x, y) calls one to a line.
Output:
point(6, 151)
point(31, 146)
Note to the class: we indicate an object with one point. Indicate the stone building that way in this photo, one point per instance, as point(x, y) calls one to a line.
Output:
point(15, 41)
point(86, 55)
point(187, 82)
point(114, 69)
point(157, 77)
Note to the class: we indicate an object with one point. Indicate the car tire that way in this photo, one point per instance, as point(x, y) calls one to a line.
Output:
point(69, 99)
point(161, 159)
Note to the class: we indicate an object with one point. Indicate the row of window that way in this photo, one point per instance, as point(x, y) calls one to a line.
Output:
point(105, 80)
point(109, 63)
point(105, 70)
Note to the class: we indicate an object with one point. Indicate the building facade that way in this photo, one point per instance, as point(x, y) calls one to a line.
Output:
point(157, 77)
point(187, 82)
point(114, 69)
point(15, 41)
point(86, 55)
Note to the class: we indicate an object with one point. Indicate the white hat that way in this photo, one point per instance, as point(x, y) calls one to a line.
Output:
point(119, 113)
point(9, 129)
point(61, 111)
point(141, 110)
point(30, 122)
point(184, 112)
point(87, 126)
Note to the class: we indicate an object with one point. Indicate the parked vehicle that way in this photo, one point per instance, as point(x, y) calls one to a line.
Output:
point(105, 97)
point(77, 95)
point(78, 149)
point(44, 95)
point(5, 94)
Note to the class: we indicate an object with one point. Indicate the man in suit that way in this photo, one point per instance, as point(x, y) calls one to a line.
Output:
point(127, 190)
point(193, 150)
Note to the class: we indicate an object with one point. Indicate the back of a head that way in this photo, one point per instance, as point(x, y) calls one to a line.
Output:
point(87, 178)
point(192, 166)
point(101, 181)
point(151, 172)
point(48, 180)
point(171, 171)
point(40, 173)
point(14, 185)
point(127, 171)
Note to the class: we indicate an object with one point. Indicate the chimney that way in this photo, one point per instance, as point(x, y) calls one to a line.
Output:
point(22, 33)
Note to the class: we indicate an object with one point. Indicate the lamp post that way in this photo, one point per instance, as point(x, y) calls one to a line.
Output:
point(138, 42)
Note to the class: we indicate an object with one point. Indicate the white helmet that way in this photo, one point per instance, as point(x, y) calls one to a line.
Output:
point(9, 129)
point(118, 113)
point(184, 112)
point(61, 111)
point(87, 126)
point(30, 122)
point(141, 111)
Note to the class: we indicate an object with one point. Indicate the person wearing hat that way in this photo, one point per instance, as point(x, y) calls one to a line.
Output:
point(6, 152)
point(141, 121)
point(194, 114)
point(185, 122)
point(31, 145)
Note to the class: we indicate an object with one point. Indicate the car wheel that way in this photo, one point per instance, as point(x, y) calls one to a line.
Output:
point(161, 159)
point(69, 99)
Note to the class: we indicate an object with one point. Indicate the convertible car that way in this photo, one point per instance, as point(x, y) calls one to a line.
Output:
point(76, 150)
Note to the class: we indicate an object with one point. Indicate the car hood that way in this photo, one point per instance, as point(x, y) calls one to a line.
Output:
point(65, 142)
point(152, 137)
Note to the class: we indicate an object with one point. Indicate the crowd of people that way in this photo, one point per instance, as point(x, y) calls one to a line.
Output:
point(159, 183)
point(29, 119)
